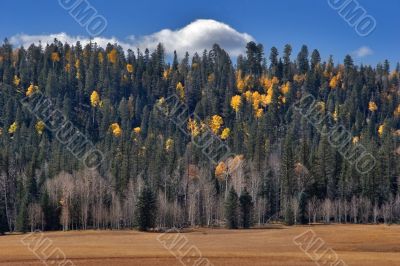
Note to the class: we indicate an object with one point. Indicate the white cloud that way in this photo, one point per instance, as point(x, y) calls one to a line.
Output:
point(363, 51)
point(195, 37)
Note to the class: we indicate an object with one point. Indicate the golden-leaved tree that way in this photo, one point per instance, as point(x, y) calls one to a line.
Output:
point(40, 126)
point(372, 106)
point(94, 99)
point(116, 130)
point(236, 102)
point(112, 56)
point(216, 123)
point(181, 90)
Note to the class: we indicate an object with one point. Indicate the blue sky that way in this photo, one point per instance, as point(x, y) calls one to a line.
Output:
point(272, 23)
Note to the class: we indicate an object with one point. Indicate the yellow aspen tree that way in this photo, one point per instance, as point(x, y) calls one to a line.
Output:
point(55, 57)
point(270, 94)
point(240, 83)
point(129, 68)
point(248, 96)
point(112, 56)
point(225, 133)
point(275, 80)
point(334, 82)
point(216, 123)
point(77, 63)
point(372, 106)
point(381, 130)
point(169, 144)
point(236, 102)
point(265, 82)
point(193, 127)
point(167, 73)
point(256, 97)
point(249, 81)
point(77, 67)
point(94, 99)
point(263, 99)
point(13, 127)
point(17, 80)
point(137, 130)
point(40, 126)
point(259, 112)
point(181, 90)
point(220, 169)
point(31, 90)
point(100, 57)
point(335, 115)
point(116, 129)
point(285, 88)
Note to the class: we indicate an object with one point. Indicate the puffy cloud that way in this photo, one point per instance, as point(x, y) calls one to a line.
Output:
point(363, 51)
point(195, 37)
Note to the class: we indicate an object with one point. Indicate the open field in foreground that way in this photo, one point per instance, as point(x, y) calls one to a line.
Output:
point(354, 244)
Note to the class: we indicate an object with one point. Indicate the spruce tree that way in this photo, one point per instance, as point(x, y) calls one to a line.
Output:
point(3, 220)
point(289, 214)
point(231, 209)
point(246, 206)
point(146, 209)
point(22, 217)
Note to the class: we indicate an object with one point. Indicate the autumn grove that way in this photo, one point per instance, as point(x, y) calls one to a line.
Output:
point(154, 177)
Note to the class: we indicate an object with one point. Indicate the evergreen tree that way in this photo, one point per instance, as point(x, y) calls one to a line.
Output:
point(325, 170)
point(3, 221)
point(302, 60)
point(246, 206)
point(289, 215)
point(146, 209)
point(22, 217)
point(231, 209)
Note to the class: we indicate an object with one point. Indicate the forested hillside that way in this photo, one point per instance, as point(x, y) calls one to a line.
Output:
point(281, 168)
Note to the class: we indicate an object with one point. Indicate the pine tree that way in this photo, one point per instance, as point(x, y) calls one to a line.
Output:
point(3, 220)
point(22, 217)
point(246, 206)
point(315, 59)
point(286, 62)
point(287, 169)
point(273, 57)
point(231, 209)
point(146, 209)
point(289, 214)
point(326, 182)
point(302, 60)
point(51, 213)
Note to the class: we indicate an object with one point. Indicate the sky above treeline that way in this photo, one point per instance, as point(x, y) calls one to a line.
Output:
point(195, 25)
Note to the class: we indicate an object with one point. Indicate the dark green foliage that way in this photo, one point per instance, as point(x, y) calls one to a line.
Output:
point(22, 217)
point(232, 209)
point(146, 209)
point(282, 151)
point(289, 215)
point(50, 212)
point(3, 221)
point(246, 209)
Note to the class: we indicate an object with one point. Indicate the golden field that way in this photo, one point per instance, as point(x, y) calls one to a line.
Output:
point(354, 244)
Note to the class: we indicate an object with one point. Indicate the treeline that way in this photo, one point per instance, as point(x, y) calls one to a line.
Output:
point(154, 175)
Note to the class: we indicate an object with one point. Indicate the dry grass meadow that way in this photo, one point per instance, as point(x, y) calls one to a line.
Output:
point(354, 244)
